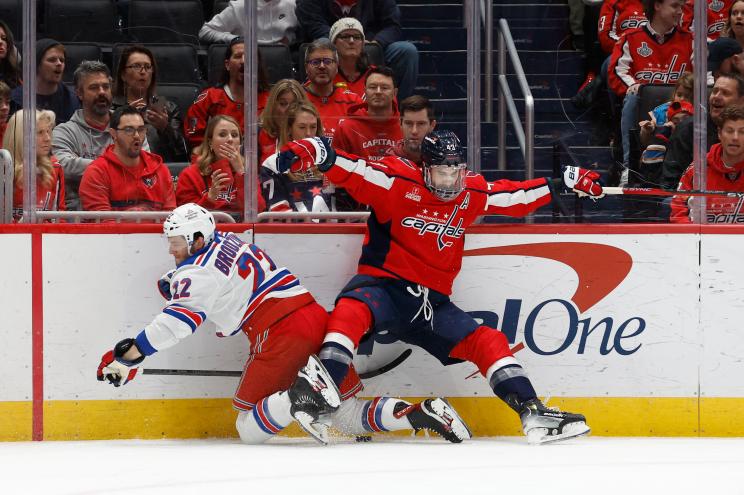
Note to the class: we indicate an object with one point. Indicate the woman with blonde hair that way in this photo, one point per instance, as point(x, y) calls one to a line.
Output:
point(50, 179)
point(282, 95)
point(215, 178)
point(308, 191)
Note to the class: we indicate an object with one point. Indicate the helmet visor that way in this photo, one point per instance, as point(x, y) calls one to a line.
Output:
point(446, 181)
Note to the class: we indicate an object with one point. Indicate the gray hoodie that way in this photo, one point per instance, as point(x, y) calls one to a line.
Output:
point(76, 144)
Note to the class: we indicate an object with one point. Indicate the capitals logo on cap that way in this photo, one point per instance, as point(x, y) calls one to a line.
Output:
point(644, 50)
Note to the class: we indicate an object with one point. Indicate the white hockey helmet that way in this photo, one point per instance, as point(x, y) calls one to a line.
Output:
point(188, 220)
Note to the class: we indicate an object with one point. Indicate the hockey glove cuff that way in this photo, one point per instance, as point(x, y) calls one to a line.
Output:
point(117, 370)
point(583, 182)
point(302, 155)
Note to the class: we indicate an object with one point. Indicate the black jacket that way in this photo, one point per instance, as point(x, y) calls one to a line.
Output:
point(680, 152)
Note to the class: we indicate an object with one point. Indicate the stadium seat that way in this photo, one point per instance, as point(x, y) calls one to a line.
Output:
point(81, 20)
point(277, 60)
point(374, 53)
point(177, 63)
point(172, 21)
point(76, 53)
point(651, 96)
point(182, 95)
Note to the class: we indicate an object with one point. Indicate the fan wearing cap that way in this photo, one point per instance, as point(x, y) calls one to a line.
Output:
point(51, 93)
point(724, 57)
point(347, 34)
point(412, 253)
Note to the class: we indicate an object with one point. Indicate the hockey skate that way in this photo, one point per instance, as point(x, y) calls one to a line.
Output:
point(544, 424)
point(435, 415)
point(313, 393)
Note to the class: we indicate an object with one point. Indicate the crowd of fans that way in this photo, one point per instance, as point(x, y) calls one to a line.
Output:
point(364, 108)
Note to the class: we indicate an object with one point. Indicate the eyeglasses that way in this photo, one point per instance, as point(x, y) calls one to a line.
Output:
point(131, 131)
point(350, 37)
point(315, 62)
point(140, 67)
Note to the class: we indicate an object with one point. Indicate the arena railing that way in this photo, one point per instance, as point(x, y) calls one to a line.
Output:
point(309, 216)
point(119, 216)
point(526, 134)
point(6, 191)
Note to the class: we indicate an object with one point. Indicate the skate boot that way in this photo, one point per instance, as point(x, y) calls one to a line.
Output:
point(313, 393)
point(544, 424)
point(435, 415)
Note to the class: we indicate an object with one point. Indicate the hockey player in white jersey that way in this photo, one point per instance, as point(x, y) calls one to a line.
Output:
point(238, 287)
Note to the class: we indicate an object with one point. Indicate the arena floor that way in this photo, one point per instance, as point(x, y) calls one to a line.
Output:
point(385, 466)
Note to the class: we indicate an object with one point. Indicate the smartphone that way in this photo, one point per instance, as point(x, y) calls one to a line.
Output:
point(156, 103)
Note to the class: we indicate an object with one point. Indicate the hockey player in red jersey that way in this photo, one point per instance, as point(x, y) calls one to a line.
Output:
point(237, 286)
point(412, 252)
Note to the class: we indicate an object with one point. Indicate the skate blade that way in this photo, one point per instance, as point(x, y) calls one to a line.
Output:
point(318, 431)
point(459, 428)
point(540, 436)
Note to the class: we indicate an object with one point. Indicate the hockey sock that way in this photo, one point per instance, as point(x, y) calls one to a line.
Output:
point(269, 417)
point(489, 349)
point(349, 320)
point(358, 416)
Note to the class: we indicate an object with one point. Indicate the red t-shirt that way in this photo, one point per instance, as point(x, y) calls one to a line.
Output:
point(362, 135)
point(357, 86)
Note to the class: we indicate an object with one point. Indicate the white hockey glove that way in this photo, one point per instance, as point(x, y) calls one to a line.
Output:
point(164, 284)
point(583, 182)
point(117, 370)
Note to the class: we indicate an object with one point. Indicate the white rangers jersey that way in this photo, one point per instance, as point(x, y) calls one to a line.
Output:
point(230, 282)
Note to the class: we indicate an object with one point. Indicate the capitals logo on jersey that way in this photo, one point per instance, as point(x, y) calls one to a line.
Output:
point(663, 74)
point(427, 222)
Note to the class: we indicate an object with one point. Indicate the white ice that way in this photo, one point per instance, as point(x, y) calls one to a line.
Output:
point(593, 465)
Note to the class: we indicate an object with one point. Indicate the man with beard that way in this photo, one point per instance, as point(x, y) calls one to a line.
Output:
point(332, 102)
point(126, 177)
point(371, 130)
point(51, 93)
point(416, 121)
point(724, 173)
point(728, 90)
point(224, 99)
point(84, 137)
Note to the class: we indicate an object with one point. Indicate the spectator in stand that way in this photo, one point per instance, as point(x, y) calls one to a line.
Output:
point(51, 93)
point(50, 181)
point(658, 53)
point(126, 177)
point(10, 66)
point(83, 138)
point(416, 121)
point(724, 57)
point(227, 97)
point(4, 108)
point(283, 93)
point(734, 27)
point(728, 90)
point(380, 20)
point(718, 15)
point(683, 92)
point(372, 128)
point(135, 86)
point(724, 173)
point(276, 23)
point(292, 190)
point(347, 35)
point(333, 103)
point(215, 178)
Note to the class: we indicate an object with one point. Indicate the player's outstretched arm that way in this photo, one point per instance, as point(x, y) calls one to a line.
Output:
point(583, 182)
point(119, 366)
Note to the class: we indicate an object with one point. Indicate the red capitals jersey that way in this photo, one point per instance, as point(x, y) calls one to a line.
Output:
point(717, 14)
point(639, 57)
point(412, 234)
point(719, 177)
point(332, 108)
point(109, 185)
point(193, 187)
point(215, 101)
point(372, 139)
point(616, 18)
point(49, 197)
point(357, 86)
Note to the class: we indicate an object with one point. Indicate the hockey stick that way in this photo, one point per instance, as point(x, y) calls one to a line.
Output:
point(236, 374)
point(652, 191)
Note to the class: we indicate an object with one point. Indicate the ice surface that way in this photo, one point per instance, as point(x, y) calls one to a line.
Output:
point(387, 466)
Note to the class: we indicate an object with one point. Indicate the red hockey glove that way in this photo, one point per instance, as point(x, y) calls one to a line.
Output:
point(117, 370)
point(583, 182)
point(303, 154)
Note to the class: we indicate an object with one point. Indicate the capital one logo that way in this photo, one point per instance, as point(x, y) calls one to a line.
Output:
point(599, 268)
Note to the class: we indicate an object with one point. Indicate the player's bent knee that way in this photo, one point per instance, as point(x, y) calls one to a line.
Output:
point(350, 319)
point(483, 347)
point(249, 430)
